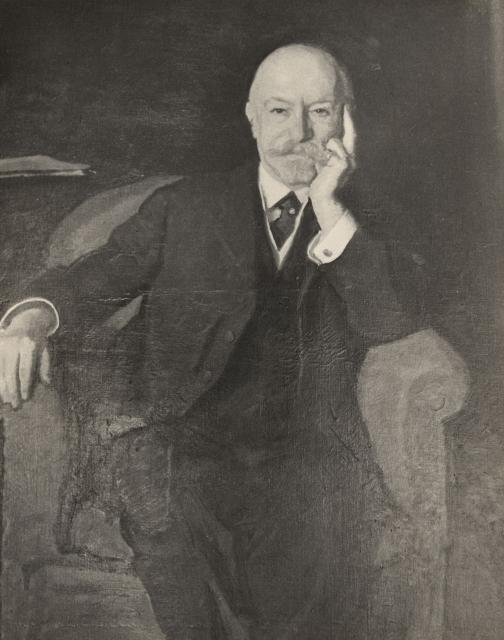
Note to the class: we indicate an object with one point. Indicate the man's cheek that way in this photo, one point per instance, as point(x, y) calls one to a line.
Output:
point(279, 140)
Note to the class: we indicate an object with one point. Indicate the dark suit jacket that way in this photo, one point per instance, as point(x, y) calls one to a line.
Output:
point(190, 250)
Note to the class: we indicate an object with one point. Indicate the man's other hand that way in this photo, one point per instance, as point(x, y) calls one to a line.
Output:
point(24, 357)
point(333, 175)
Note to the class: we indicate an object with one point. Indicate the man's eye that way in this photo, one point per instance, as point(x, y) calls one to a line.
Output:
point(321, 111)
point(279, 110)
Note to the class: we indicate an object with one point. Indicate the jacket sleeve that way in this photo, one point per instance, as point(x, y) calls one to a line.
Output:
point(94, 286)
point(381, 287)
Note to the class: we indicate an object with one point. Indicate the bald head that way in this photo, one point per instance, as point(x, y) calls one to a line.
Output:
point(295, 63)
point(295, 106)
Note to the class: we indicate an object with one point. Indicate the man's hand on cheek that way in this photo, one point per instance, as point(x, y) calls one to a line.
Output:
point(333, 175)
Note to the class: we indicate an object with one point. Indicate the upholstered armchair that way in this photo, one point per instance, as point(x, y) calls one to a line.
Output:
point(66, 572)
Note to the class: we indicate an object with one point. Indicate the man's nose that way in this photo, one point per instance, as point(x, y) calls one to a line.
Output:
point(302, 127)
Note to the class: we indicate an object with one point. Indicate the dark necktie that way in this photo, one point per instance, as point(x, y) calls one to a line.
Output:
point(282, 218)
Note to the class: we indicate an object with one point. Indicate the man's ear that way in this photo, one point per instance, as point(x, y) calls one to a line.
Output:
point(249, 112)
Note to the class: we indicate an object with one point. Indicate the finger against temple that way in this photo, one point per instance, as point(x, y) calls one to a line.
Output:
point(349, 133)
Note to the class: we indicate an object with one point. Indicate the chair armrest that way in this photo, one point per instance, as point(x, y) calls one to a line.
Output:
point(406, 390)
point(422, 367)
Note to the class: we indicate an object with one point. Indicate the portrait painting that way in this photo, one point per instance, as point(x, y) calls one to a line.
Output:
point(251, 320)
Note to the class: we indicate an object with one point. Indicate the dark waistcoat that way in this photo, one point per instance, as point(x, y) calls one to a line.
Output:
point(251, 404)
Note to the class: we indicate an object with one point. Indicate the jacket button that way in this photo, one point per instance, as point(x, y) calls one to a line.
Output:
point(229, 336)
point(207, 375)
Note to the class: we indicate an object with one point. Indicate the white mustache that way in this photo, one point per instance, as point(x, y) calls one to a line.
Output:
point(309, 150)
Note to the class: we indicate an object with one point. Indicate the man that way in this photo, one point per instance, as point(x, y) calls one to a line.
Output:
point(245, 497)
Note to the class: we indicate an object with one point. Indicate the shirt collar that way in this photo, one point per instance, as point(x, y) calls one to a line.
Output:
point(272, 190)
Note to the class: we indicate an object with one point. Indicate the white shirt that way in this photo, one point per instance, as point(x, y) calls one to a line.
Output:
point(324, 247)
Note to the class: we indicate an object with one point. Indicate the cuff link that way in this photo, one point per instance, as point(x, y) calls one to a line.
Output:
point(327, 252)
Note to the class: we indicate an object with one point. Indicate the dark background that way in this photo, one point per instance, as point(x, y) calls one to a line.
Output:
point(146, 87)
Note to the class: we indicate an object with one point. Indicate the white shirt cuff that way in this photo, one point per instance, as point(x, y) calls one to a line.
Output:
point(326, 247)
point(31, 303)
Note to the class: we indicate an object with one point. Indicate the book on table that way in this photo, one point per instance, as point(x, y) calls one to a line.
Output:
point(40, 165)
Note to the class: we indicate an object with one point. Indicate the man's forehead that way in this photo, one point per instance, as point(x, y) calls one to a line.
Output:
point(295, 91)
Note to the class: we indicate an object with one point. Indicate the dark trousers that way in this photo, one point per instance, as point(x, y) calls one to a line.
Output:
point(240, 543)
